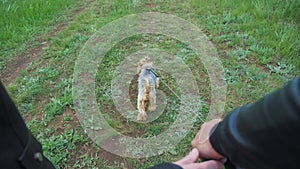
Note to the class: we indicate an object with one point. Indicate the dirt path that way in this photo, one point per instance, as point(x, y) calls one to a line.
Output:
point(21, 61)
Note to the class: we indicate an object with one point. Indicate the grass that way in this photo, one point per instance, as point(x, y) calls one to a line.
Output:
point(106, 74)
point(258, 44)
point(21, 21)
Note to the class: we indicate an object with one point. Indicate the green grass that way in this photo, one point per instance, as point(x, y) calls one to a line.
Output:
point(21, 21)
point(106, 74)
point(258, 44)
point(268, 28)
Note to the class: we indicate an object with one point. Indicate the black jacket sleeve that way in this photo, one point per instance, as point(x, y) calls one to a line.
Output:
point(18, 148)
point(263, 135)
point(166, 166)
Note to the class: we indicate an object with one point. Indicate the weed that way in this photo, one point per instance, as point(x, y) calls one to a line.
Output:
point(58, 147)
point(281, 68)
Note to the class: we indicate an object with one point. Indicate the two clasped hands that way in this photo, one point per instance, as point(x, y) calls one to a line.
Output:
point(204, 150)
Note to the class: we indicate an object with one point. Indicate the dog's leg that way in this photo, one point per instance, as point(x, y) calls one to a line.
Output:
point(152, 101)
point(141, 107)
point(141, 117)
point(142, 113)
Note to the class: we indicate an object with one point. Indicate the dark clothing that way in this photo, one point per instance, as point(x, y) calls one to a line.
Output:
point(263, 135)
point(18, 148)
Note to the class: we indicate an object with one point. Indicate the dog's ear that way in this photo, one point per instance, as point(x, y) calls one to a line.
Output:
point(139, 69)
point(142, 62)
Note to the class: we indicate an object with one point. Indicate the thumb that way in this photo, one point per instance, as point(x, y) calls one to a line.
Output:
point(190, 158)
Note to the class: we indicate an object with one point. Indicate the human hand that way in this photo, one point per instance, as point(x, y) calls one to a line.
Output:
point(190, 162)
point(202, 143)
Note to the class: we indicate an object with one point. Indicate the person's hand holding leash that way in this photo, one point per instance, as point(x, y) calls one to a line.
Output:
point(190, 162)
point(202, 143)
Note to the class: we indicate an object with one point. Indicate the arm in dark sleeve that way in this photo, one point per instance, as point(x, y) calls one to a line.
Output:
point(263, 135)
point(18, 148)
point(166, 166)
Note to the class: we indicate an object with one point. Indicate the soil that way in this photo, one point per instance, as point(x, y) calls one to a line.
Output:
point(20, 62)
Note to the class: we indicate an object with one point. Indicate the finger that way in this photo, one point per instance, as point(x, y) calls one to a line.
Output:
point(212, 164)
point(190, 158)
point(193, 166)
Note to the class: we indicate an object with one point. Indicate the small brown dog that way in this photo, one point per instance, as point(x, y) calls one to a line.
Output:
point(147, 83)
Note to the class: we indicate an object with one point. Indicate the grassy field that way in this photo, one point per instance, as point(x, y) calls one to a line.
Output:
point(258, 43)
point(22, 21)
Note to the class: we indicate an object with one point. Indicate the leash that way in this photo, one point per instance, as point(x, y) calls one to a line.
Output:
point(161, 80)
point(169, 88)
point(153, 71)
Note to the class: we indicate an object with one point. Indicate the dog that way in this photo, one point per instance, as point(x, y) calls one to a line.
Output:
point(148, 81)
